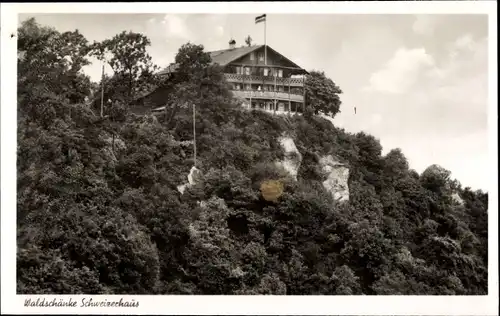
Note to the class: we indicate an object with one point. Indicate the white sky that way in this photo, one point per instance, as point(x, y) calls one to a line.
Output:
point(419, 82)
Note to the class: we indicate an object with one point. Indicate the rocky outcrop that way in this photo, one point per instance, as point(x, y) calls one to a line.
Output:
point(293, 158)
point(193, 176)
point(457, 199)
point(337, 178)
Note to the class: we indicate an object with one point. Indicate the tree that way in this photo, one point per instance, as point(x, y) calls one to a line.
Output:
point(51, 63)
point(248, 41)
point(396, 162)
point(131, 63)
point(192, 61)
point(196, 81)
point(436, 179)
point(322, 94)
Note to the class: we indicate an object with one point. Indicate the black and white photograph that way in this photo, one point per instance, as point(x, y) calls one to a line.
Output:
point(248, 154)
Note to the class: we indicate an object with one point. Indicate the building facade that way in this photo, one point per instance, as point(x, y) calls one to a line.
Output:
point(260, 76)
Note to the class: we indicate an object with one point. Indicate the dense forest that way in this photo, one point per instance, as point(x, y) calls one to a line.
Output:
point(99, 210)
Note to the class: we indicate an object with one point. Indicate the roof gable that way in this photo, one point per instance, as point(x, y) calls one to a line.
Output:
point(225, 56)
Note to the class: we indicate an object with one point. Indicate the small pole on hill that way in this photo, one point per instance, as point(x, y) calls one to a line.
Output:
point(102, 90)
point(251, 92)
point(194, 132)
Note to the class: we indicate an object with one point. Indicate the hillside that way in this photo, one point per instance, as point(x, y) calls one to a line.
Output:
point(279, 205)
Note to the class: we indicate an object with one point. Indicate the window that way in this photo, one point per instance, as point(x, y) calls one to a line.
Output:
point(266, 72)
point(238, 70)
point(247, 71)
point(248, 87)
point(261, 56)
point(252, 56)
point(280, 73)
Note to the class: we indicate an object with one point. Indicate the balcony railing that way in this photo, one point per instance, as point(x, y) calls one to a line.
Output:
point(268, 95)
point(279, 111)
point(237, 78)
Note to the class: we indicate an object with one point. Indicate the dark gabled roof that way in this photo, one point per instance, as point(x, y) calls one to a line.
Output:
point(221, 57)
point(226, 56)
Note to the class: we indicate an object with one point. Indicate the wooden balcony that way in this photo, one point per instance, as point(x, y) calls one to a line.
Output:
point(253, 79)
point(268, 95)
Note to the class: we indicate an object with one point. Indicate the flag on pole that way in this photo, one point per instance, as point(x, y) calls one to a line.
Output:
point(260, 18)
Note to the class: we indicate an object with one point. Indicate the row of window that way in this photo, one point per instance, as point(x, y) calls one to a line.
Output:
point(238, 86)
point(280, 106)
point(259, 88)
point(262, 72)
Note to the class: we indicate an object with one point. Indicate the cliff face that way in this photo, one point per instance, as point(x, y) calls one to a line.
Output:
point(337, 178)
point(457, 199)
point(336, 173)
point(293, 157)
point(193, 176)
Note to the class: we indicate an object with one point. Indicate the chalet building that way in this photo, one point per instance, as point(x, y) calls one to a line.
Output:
point(261, 76)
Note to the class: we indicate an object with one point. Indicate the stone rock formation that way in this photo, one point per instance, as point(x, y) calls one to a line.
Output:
point(293, 158)
point(337, 178)
point(192, 179)
point(457, 199)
